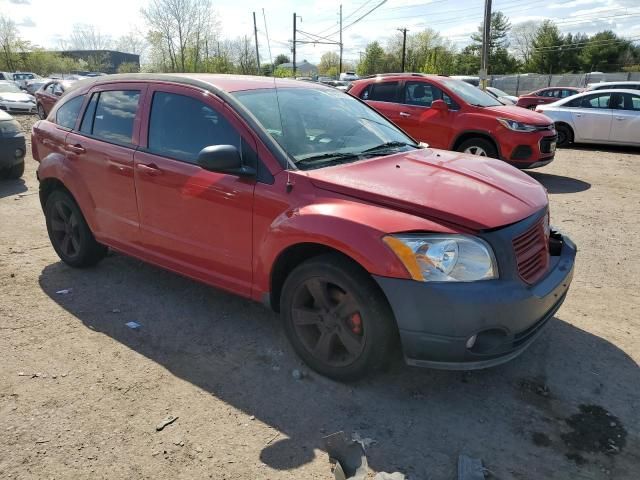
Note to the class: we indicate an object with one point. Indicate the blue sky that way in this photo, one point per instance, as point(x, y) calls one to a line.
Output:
point(46, 21)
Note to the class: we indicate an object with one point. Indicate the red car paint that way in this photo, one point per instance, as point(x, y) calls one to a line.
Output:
point(230, 231)
point(546, 95)
point(50, 93)
point(449, 127)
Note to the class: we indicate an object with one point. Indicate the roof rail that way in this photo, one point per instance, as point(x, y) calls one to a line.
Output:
point(412, 74)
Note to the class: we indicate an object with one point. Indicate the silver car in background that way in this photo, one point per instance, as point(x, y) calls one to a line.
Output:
point(598, 116)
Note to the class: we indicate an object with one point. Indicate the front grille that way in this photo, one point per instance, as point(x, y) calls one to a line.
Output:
point(532, 252)
point(545, 144)
point(542, 128)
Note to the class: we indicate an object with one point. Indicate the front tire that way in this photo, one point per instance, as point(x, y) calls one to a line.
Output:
point(336, 318)
point(565, 135)
point(69, 233)
point(14, 172)
point(479, 147)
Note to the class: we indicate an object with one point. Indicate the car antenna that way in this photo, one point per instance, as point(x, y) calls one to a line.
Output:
point(289, 185)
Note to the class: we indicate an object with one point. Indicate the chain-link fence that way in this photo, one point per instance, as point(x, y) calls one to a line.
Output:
point(528, 82)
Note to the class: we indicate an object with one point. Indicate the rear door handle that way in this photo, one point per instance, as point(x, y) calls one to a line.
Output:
point(77, 149)
point(150, 169)
point(405, 114)
point(619, 118)
point(578, 114)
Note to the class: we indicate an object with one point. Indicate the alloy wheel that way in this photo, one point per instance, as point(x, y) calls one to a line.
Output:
point(475, 150)
point(328, 322)
point(65, 229)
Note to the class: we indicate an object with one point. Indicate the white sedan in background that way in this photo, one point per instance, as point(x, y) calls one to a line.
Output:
point(600, 116)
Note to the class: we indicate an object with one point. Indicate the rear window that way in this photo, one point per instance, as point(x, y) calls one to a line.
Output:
point(381, 92)
point(114, 115)
point(67, 114)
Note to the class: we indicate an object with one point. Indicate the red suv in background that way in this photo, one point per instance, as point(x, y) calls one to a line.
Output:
point(48, 95)
point(453, 115)
point(546, 95)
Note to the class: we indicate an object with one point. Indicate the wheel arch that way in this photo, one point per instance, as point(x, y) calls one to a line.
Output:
point(292, 256)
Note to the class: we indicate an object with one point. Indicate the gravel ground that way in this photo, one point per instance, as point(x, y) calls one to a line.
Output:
point(81, 394)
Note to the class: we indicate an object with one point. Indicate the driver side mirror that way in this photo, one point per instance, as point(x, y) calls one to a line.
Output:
point(440, 105)
point(57, 93)
point(224, 159)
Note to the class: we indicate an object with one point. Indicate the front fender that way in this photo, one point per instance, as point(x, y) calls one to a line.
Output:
point(350, 227)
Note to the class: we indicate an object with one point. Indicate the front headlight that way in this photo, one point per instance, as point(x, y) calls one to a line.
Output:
point(517, 126)
point(444, 258)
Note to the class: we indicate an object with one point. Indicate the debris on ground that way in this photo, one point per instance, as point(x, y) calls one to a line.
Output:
point(167, 421)
point(133, 325)
point(64, 291)
point(349, 460)
point(470, 468)
point(297, 374)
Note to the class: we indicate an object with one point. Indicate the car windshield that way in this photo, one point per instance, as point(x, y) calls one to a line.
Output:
point(9, 88)
point(470, 94)
point(321, 126)
point(498, 92)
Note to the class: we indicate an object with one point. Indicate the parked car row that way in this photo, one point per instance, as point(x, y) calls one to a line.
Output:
point(14, 100)
point(311, 201)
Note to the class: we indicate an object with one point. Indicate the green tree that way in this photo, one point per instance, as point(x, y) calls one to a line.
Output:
point(604, 52)
point(128, 67)
point(546, 55)
point(329, 64)
point(571, 52)
point(468, 61)
point(282, 58)
point(500, 60)
point(373, 60)
point(281, 72)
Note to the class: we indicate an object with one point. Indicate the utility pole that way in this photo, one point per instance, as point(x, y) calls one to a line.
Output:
point(255, 31)
point(340, 69)
point(486, 41)
point(404, 45)
point(294, 44)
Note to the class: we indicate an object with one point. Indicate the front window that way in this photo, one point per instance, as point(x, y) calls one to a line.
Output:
point(320, 127)
point(470, 94)
point(9, 88)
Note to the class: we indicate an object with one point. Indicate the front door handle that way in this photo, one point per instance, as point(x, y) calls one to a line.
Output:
point(619, 118)
point(150, 169)
point(578, 114)
point(405, 114)
point(77, 149)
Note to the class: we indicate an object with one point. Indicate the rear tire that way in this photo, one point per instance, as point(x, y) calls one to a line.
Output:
point(565, 135)
point(479, 147)
point(336, 318)
point(69, 233)
point(13, 173)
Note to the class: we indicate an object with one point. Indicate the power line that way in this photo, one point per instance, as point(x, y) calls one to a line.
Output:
point(361, 17)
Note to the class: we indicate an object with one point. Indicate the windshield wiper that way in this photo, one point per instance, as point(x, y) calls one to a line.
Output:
point(386, 145)
point(326, 158)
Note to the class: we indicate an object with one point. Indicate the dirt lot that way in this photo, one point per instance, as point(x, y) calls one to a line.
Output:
point(81, 394)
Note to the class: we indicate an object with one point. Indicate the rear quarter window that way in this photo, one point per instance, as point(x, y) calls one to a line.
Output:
point(383, 92)
point(67, 114)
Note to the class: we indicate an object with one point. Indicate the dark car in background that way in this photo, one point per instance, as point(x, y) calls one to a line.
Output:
point(12, 147)
point(546, 95)
point(49, 94)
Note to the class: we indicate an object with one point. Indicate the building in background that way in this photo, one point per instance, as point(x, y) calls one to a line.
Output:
point(106, 61)
point(303, 68)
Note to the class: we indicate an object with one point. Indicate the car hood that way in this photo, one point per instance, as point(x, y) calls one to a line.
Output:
point(454, 188)
point(518, 114)
point(15, 97)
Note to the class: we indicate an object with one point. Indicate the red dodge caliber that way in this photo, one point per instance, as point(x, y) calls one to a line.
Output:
point(308, 200)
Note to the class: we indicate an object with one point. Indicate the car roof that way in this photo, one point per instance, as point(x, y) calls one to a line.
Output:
point(219, 82)
point(621, 82)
